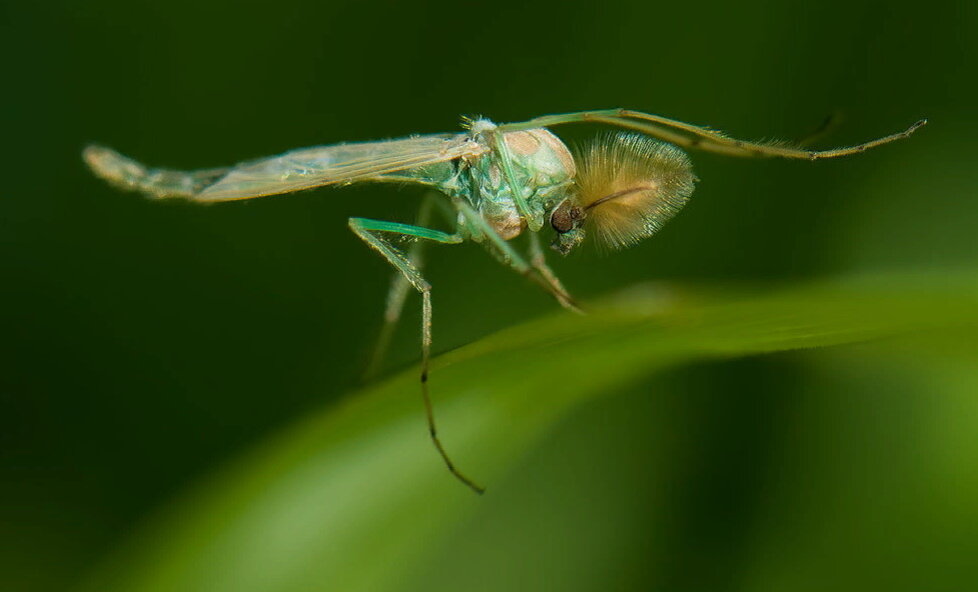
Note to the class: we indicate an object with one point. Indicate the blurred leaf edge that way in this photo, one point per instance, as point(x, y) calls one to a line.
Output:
point(358, 486)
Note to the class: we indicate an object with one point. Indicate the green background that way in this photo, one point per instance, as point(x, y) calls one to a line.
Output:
point(147, 344)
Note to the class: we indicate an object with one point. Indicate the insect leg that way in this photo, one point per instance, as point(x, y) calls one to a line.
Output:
point(507, 255)
point(397, 294)
point(502, 250)
point(505, 160)
point(539, 263)
point(370, 231)
point(692, 136)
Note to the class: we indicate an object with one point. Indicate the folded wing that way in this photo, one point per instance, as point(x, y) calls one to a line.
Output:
point(342, 163)
point(293, 171)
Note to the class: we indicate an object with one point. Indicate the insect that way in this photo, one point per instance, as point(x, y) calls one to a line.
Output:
point(495, 183)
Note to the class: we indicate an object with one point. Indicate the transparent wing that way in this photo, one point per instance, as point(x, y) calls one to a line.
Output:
point(341, 163)
point(292, 171)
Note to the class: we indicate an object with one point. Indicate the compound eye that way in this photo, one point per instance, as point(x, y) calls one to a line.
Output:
point(566, 217)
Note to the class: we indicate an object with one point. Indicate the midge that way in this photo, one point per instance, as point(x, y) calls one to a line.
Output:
point(494, 182)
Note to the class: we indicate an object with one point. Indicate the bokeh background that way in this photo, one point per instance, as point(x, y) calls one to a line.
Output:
point(146, 344)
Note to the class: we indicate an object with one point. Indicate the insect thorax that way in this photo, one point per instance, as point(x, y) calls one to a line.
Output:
point(542, 168)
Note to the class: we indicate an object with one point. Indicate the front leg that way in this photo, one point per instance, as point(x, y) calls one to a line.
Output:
point(371, 232)
point(537, 271)
point(687, 135)
point(554, 285)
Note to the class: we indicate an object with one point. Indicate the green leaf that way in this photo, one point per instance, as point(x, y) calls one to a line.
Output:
point(355, 497)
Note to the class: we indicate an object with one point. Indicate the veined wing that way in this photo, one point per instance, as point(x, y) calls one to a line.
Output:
point(293, 171)
point(341, 163)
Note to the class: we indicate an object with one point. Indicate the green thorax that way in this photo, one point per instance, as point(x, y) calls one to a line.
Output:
point(534, 161)
point(540, 168)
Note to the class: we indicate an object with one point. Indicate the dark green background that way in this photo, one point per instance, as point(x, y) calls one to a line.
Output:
point(146, 343)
